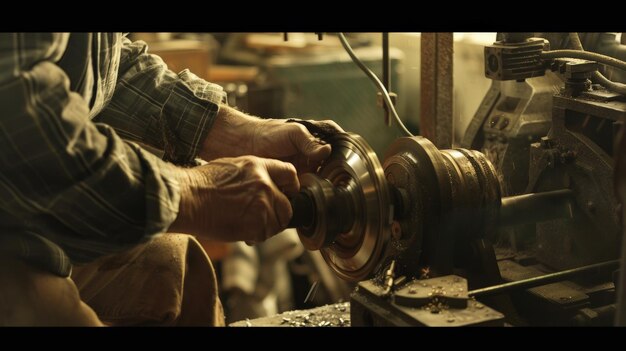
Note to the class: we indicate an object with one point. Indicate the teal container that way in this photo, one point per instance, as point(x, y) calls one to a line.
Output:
point(331, 86)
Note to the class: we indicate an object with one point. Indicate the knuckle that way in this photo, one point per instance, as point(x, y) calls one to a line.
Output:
point(260, 207)
point(248, 160)
point(291, 169)
point(299, 129)
point(261, 189)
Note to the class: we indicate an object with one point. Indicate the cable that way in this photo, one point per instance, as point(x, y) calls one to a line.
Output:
point(597, 77)
point(585, 55)
point(376, 81)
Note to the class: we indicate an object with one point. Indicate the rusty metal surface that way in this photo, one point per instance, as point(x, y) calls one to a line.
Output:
point(577, 154)
point(558, 293)
point(436, 88)
point(450, 290)
point(620, 190)
point(370, 308)
point(336, 315)
point(451, 198)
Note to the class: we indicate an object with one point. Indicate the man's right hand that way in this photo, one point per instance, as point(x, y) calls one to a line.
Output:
point(236, 199)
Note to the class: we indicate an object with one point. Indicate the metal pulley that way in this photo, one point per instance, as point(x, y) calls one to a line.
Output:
point(344, 210)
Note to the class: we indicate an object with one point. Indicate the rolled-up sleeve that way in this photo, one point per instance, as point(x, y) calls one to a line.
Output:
point(62, 176)
point(153, 105)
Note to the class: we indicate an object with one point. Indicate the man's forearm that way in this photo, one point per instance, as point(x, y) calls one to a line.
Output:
point(231, 135)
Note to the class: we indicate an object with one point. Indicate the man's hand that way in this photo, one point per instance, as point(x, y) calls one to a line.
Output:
point(235, 133)
point(232, 199)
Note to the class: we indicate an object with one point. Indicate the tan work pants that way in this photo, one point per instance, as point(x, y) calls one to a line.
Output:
point(168, 281)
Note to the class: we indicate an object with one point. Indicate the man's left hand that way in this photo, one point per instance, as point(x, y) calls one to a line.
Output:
point(236, 134)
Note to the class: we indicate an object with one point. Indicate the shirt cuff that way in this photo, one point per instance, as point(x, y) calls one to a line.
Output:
point(187, 116)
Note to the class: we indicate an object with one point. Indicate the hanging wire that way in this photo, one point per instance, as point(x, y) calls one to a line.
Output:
point(379, 85)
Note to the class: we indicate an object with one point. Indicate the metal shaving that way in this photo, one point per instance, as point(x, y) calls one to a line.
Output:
point(337, 315)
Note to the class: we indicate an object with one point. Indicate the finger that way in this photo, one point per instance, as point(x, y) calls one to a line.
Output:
point(328, 125)
point(279, 215)
point(283, 212)
point(307, 144)
point(283, 174)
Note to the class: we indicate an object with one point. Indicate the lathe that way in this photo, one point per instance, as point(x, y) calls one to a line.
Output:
point(520, 226)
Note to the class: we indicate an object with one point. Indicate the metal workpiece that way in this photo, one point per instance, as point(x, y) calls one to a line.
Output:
point(352, 208)
point(303, 208)
point(321, 211)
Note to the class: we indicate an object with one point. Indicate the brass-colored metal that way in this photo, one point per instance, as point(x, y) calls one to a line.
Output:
point(353, 179)
point(321, 192)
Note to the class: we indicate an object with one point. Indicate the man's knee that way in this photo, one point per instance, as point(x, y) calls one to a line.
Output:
point(155, 283)
point(29, 296)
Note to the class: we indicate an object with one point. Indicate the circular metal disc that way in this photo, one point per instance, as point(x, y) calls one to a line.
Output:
point(354, 165)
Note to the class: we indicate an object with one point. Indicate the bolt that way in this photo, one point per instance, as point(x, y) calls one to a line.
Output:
point(396, 230)
point(568, 156)
point(565, 298)
point(450, 320)
point(494, 121)
point(504, 123)
point(547, 143)
point(412, 291)
point(591, 206)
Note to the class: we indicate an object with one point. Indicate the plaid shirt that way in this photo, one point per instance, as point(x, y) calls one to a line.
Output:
point(73, 185)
